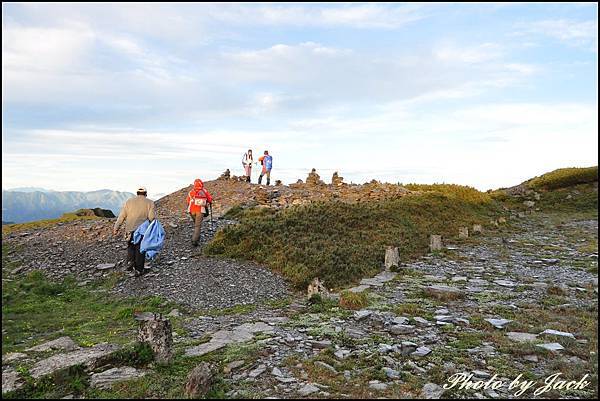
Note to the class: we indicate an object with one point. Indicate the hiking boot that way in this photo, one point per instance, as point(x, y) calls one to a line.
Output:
point(194, 243)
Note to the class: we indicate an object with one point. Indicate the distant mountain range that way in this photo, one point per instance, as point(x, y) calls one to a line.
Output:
point(22, 205)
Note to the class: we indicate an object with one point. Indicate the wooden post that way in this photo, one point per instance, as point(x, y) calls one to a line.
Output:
point(392, 257)
point(435, 243)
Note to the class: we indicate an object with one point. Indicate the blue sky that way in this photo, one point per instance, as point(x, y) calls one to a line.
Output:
point(118, 95)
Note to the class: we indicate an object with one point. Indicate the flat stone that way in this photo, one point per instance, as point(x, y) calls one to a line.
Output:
point(521, 337)
point(551, 346)
point(557, 333)
point(321, 344)
point(233, 365)
point(400, 320)
point(505, 283)
point(11, 381)
point(64, 343)
point(106, 379)
point(362, 314)
point(285, 380)
point(105, 266)
point(443, 291)
point(341, 354)
point(359, 288)
point(12, 356)
point(222, 338)
point(421, 321)
point(378, 386)
point(401, 329)
point(89, 357)
point(308, 389)
point(421, 352)
point(257, 372)
point(391, 373)
point(498, 323)
point(431, 391)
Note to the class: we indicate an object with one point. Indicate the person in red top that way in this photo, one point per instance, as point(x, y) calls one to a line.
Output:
point(198, 200)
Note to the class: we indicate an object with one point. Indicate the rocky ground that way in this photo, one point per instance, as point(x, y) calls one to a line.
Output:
point(521, 299)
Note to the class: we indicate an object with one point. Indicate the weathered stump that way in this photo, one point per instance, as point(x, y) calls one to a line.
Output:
point(199, 381)
point(463, 232)
point(477, 228)
point(392, 257)
point(317, 288)
point(156, 331)
point(435, 243)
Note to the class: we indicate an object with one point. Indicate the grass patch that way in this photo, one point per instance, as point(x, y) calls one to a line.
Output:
point(564, 177)
point(353, 300)
point(35, 309)
point(340, 242)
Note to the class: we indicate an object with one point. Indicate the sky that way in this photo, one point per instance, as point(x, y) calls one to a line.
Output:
point(120, 95)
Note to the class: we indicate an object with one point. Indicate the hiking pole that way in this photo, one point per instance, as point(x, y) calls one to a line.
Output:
point(211, 218)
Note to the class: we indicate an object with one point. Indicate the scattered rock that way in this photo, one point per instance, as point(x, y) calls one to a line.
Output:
point(431, 391)
point(551, 346)
point(106, 379)
point(89, 357)
point(498, 323)
point(308, 389)
point(199, 380)
point(63, 343)
point(521, 337)
point(557, 333)
point(11, 381)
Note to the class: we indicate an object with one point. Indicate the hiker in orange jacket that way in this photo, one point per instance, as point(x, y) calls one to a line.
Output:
point(198, 200)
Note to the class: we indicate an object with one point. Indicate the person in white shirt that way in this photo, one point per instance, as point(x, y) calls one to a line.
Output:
point(247, 163)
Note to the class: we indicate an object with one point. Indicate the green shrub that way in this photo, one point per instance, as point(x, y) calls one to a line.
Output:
point(564, 177)
point(353, 300)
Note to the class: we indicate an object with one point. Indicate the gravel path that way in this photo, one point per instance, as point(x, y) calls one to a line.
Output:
point(180, 273)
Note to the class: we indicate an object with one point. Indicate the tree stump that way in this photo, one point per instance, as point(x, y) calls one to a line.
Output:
point(156, 331)
point(392, 257)
point(463, 232)
point(435, 243)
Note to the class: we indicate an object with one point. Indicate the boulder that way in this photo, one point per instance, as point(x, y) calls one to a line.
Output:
point(435, 243)
point(199, 380)
point(89, 357)
point(62, 343)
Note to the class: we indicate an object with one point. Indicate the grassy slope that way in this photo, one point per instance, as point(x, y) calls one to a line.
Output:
point(573, 191)
point(34, 225)
point(342, 243)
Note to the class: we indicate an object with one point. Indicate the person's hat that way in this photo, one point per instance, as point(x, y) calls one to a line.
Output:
point(142, 189)
point(198, 183)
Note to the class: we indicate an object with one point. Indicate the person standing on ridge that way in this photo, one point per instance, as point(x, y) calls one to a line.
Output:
point(267, 163)
point(135, 212)
point(247, 163)
point(197, 200)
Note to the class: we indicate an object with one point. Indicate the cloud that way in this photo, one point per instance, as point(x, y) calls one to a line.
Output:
point(582, 34)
